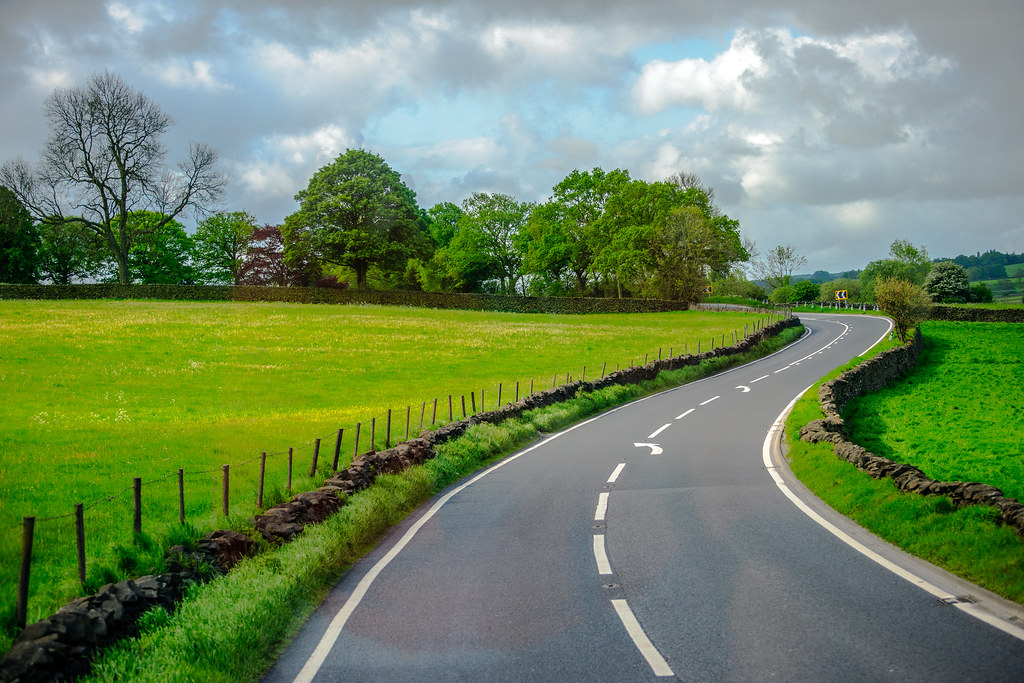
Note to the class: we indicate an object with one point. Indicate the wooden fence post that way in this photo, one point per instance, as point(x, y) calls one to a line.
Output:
point(263, 472)
point(373, 434)
point(355, 451)
point(423, 414)
point(499, 395)
point(80, 541)
point(337, 449)
point(137, 490)
point(433, 415)
point(408, 414)
point(316, 456)
point(181, 495)
point(604, 366)
point(450, 416)
point(290, 455)
point(463, 406)
point(659, 353)
point(21, 606)
point(554, 379)
point(531, 387)
point(387, 432)
point(583, 377)
point(517, 391)
point(226, 470)
point(472, 399)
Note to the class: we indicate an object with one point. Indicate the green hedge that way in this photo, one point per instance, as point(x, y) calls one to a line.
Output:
point(318, 295)
point(970, 314)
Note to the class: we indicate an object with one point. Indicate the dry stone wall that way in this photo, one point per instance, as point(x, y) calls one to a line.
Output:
point(873, 375)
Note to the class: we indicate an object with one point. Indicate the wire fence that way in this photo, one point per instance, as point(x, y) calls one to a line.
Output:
point(217, 491)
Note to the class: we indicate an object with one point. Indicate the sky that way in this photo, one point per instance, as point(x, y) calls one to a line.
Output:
point(833, 127)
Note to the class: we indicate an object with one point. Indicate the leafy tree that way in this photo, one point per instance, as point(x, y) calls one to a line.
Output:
point(104, 160)
point(736, 284)
point(560, 240)
point(806, 290)
point(221, 242)
point(19, 241)
point(905, 262)
point(980, 294)
point(69, 250)
point(905, 302)
point(162, 252)
point(778, 265)
point(489, 241)
point(356, 213)
point(947, 283)
point(853, 287)
point(782, 295)
point(680, 253)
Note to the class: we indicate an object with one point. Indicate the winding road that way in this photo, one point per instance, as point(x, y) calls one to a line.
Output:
point(663, 539)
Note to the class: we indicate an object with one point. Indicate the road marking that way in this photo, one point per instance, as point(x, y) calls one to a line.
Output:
point(616, 473)
point(602, 507)
point(974, 610)
point(710, 400)
point(760, 378)
point(659, 430)
point(636, 632)
point(745, 389)
point(780, 370)
point(680, 417)
point(655, 448)
point(603, 566)
point(333, 631)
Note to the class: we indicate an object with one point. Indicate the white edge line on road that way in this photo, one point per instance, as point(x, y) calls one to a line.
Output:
point(659, 430)
point(333, 631)
point(604, 567)
point(636, 632)
point(602, 507)
point(680, 417)
point(760, 378)
point(972, 609)
point(710, 400)
point(616, 473)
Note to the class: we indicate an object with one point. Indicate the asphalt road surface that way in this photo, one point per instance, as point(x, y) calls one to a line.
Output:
point(658, 540)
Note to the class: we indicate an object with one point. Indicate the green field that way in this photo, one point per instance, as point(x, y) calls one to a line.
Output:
point(96, 393)
point(958, 416)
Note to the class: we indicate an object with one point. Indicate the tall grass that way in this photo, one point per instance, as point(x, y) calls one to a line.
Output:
point(233, 629)
point(98, 392)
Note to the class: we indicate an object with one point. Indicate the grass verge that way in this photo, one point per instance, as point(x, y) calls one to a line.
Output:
point(967, 542)
point(232, 629)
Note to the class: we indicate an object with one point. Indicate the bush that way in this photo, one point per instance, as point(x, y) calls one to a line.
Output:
point(947, 283)
point(805, 290)
point(904, 302)
point(980, 293)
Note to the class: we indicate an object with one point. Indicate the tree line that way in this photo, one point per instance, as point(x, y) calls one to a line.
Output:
point(102, 204)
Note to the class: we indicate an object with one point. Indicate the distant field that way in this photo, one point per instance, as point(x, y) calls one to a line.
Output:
point(98, 392)
point(960, 415)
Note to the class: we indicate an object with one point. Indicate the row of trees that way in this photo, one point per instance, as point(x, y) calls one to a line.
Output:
point(102, 204)
point(600, 233)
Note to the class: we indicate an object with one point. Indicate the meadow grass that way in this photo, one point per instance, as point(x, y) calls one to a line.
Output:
point(233, 629)
point(98, 392)
point(918, 425)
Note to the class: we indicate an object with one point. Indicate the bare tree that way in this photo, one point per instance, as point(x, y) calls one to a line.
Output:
point(685, 180)
point(104, 160)
point(778, 264)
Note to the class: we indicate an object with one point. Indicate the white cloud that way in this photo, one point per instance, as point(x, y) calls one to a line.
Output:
point(197, 75)
point(127, 17)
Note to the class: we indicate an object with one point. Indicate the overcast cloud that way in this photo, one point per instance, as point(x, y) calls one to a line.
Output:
point(835, 127)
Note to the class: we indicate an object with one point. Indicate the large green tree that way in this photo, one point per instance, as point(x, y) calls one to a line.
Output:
point(560, 231)
point(356, 213)
point(19, 241)
point(221, 243)
point(489, 242)
point(905, 262)
point(903, 301)
point(104, 160)
point(162, 252)
point(69, 250)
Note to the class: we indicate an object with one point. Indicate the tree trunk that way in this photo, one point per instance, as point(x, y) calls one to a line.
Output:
point(361, 270)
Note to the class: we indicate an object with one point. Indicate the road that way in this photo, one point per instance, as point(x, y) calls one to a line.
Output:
point(651, 542)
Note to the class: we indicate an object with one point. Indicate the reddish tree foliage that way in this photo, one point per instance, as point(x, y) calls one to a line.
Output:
point(264, 262)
